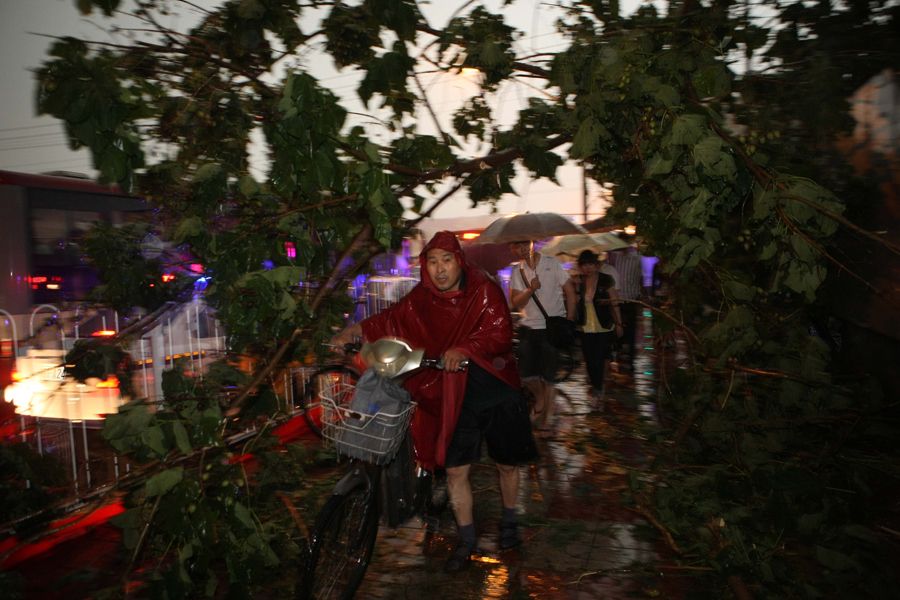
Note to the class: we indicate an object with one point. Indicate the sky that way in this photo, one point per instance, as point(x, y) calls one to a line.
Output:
point(36, 144)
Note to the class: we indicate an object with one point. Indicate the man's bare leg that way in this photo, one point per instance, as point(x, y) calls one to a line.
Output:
point(509, 491)
point(537, 393)
point(460, 491)
point(545, 394)
point(509, 484)
point(549, 401)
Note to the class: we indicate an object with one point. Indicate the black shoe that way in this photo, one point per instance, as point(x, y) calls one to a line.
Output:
point(509, 536)
point(459, 559)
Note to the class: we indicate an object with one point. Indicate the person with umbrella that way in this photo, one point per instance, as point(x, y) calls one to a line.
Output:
point(542, 289)
point(539, 279)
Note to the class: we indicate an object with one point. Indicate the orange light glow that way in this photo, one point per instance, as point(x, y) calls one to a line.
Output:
point(103, 333)
point(16, 376)
point(167, 277)
point(110, 382)
point(470, 235)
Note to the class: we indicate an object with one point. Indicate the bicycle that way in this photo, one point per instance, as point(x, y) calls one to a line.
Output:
point(383, 478)
point(335, 381)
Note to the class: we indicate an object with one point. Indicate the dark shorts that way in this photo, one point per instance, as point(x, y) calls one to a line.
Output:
point(496, 413)
point(537, 357)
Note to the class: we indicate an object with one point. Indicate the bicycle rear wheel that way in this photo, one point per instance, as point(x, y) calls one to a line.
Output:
point(335, 382)
point(342, 544)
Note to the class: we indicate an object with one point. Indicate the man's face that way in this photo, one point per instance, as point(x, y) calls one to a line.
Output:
point(443, 269)
point(521, 249)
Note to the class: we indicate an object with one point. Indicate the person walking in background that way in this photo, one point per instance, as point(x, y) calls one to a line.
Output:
point(607, 268)
point(458, 313)
point(628, 265)
point(599, 318)
point(539, 277)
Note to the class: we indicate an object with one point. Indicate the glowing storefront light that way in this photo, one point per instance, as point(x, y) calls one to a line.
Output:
point(43, 391)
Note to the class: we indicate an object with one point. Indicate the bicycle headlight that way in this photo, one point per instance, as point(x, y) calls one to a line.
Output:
point(391, 357)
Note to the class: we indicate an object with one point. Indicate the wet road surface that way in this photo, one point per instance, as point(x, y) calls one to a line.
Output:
point(581, 539)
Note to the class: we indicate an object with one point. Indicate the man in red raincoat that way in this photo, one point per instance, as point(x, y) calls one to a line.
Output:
point(458, 313)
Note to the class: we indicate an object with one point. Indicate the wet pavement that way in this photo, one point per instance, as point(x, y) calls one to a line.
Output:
point(581, 539)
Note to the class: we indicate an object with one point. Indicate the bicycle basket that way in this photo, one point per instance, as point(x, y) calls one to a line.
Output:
point(373, 436)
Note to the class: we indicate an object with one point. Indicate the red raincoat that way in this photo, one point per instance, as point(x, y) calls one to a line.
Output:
point(475, 319)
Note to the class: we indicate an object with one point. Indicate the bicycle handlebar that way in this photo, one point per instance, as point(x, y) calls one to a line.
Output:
point(437, 363)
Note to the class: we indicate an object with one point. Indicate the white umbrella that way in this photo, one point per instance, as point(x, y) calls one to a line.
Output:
point(527, 226)
point(573, 244)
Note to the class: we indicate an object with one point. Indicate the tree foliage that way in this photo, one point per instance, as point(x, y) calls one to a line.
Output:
point(716, 121)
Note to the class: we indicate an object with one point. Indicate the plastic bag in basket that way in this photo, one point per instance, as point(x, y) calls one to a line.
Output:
point(377, 422)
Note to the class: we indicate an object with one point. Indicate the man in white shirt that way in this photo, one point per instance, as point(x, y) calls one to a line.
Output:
point(543, 277)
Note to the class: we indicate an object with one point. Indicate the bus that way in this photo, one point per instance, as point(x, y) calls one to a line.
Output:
point(42, 218)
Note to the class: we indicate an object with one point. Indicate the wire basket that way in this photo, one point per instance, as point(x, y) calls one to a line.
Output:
point(372, 437)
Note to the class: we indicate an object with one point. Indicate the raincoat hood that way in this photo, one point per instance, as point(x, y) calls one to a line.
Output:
point(474, 319)
point(443, 240)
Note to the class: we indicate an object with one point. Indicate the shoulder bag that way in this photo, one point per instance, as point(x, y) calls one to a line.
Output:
point(560, 330)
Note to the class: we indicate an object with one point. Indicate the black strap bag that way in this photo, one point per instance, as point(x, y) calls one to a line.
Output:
point(560, 330)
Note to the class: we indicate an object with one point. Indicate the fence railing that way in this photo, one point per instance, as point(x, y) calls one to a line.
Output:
point(61, 417)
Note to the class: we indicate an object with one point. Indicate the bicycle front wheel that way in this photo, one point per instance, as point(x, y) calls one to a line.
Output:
point(335, 382)
point(342, 545)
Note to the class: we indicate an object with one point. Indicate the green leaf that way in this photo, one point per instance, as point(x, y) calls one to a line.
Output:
point(768, 251)
point(129, 518)
point(182, 441)
point(250, 9)
point(835, 560)
point(658, 165)
point(287, 306)
point(244, 515)
point(283, 276)
point(587, 138)
point(207, 172)
point(740, 291)
point(708, 151)
point(248, 186)
point(154, 439)
point(688, 129)
point(164, 481)
point(712, 81)
point(763, 203)
point(189, 228)
point(803, 249)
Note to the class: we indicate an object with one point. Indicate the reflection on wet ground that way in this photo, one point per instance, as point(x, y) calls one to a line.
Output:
point(581, 541)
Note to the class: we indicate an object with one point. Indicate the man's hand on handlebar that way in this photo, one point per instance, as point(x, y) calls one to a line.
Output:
point(453, 359)
point(346, 336)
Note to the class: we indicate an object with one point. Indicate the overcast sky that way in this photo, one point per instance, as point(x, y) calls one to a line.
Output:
point(33, 144)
